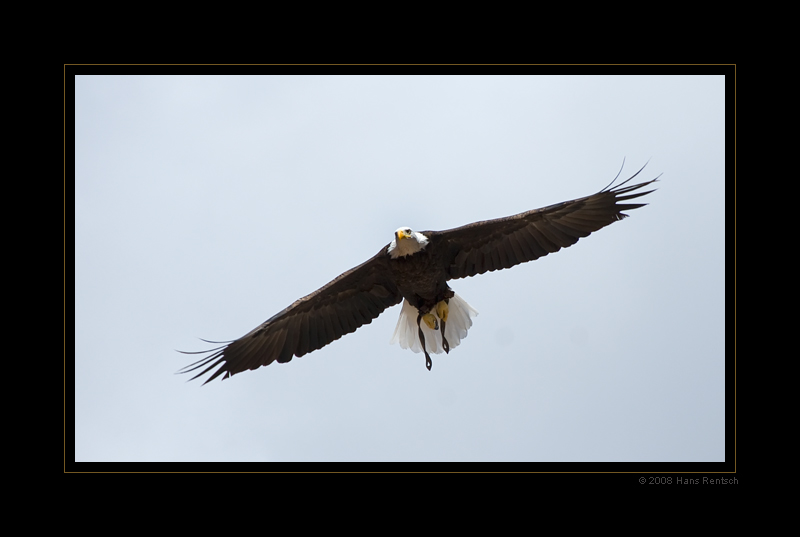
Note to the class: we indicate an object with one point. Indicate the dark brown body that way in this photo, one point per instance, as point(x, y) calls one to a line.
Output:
point(421, 279)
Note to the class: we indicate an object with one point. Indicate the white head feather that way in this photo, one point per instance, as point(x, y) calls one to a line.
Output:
point(406, 242)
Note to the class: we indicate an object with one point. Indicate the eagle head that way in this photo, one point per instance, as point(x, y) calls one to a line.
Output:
point(406, 242)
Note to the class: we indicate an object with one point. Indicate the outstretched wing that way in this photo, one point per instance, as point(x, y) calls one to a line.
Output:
point(505, 242)
point(351, 300)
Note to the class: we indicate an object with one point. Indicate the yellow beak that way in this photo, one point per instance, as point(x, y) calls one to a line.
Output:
point(400, 235)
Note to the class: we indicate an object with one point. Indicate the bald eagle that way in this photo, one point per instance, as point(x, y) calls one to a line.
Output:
point(415, 268)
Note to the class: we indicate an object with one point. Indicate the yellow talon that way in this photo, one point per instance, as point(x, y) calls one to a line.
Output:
point(430, 320)
point(442, 310)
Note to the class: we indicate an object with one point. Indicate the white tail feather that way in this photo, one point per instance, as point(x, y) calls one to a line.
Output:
point(458, 323)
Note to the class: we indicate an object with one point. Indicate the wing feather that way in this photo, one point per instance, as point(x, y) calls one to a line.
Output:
point(519, 256)
point(342, 306)
point(302, 344)
point(505, 242)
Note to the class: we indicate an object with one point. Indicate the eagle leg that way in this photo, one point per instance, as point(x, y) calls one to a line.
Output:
point(428, 361)
point(443, 311)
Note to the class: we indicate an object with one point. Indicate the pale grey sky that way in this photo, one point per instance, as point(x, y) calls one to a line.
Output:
point(205, 205)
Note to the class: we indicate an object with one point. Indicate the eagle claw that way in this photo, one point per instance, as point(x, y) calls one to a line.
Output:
point(430, 320)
